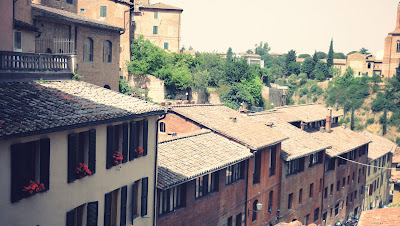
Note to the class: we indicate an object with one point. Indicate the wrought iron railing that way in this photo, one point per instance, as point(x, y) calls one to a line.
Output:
point(17, 61)
point(55, 46)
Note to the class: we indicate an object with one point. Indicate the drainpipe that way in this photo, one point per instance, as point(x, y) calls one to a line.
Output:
point(123, 32)
point(155, 170)
point(247, 188)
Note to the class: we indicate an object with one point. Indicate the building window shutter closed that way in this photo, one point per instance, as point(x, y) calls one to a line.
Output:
point(92, 212)
point(17, 171)
point(45, 162)
point(107, 210)
point(72, 146)
point(144, 196)
point(132, 141)
point(92, 151)
point(123, 205)
point(145, 136)
point(110, 139)
point(71, 218)
point(125, 142)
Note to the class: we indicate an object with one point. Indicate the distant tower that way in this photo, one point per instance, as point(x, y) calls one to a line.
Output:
point(391, 57)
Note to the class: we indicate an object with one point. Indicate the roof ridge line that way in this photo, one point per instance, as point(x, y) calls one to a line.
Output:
point(194, 105)
point(185, 136)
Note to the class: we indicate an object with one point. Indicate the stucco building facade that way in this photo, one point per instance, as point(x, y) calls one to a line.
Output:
point(391, 58)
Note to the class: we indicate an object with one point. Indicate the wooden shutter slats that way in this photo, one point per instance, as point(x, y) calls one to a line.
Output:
point(72, 153)
point(144, 196)
point(92, 213)
point(71, 218)
point(123, 205)
point(145, 136)
point(17, 172)
point(125, 142)
point(92, 151)
point(109, 152)
point(107, 209)
point(45, 163)
point(132, 141)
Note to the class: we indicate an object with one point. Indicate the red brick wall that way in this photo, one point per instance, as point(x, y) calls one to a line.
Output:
point(176, 124)
point(213, 209)
point(261, 190)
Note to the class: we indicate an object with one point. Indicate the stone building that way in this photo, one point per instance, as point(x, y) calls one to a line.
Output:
point(395, 177)
point(159, 23)
point(61, 143)
point(364, 64)
point(391, 58)
point(253, 59)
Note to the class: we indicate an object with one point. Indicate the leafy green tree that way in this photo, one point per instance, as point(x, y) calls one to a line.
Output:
point(351, 52)
point(249, 51)
point(364, 51)
point(339, 56)
point(308, 66)
point(124, 87)
point(304, 55)
point(334, 71)
point(294, 68)
point(321, 55)
point(211, 66)
point(229, 54)
point(329, 61)
point(321, 71)
point(290, 58)
point(262, 49)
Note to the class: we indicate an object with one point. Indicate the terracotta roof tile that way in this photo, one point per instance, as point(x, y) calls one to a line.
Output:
point(231, 124)
point(383, 216)
point(27, 108)
point(299, 144)
point(160, 6)
point(185, 158)
point(72, 17)
point(307, 112)
point(379, 147)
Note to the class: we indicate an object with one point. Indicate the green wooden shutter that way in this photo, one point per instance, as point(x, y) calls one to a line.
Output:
point(110, 152)
point(72, 152)
point(92, 212)
point(45, 162)
point(134, 202)
point(123, 205)
point(145, 136)
point(71, 218)
point(132, 141)
point(92, 151)
point(17, 171)
point(125, 142)
point(107, 209)
point(144, 196)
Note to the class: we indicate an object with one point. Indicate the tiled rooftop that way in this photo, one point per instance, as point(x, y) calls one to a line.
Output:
point(379, 147)
point(231, 124)
point(306, 113)
point(299, 144)
point(71, 17)
point(28, 108)
point(160, 6)
point(341, 140)
point(185, 158)
point(383, 216)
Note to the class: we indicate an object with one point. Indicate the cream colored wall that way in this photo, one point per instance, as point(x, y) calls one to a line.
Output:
point(168, 23)
point(357, 62)
point(50, 208)
point(155, 85)
point(28, 41)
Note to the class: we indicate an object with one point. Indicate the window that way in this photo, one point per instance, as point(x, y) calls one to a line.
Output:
point(107, 51)
point(355, 195)
point(336, 209)
point(29, 162)
point(344, 182)
point(375, 165)
point(166, 45)
point(326, 192)
point(352, 155)
point(320, 185)
point(311, 190)
point(300, 195)
point(362, 150)
point(369, 66)
point(338, 185)
point(359, 175)
point(272, 161)
point(155, 15)
point(331, 190)
point(162, 127)
point(316, 214)
point(256, 168)
point(172, 199)
point(324, 216)
point(371, 189)
point(135, 200)
point(254, 215)
point(306, 219)
point(230, 221)
point(342, 161)
point(330, 163)
point(82, 10)
point(17, 41)
point(88, 50)
point(315, 158)
point(295, 166)
point(234, 173)
point(348, 179)
point(129, 139)
point(111, 208)
point(70, 1)
point(270, 201)
point(76, 217)
point(290, 201)
point(354, 175)
point(206, 184)
point(81, 150)
point(116, 201)
point(369, 169)
point(155, 30)
point(239, 219)
point(103, 11)
point(398, 46)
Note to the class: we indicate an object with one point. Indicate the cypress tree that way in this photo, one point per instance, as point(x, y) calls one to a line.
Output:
point(330, 55)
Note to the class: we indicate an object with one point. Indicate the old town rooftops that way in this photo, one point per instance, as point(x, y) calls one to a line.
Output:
point(30, 108)
point(299, 144)
point(305, 112)
point(185, 158)
point(384, 216)
point(231, 124)
point(71, 17)
point(379, 146)
point(160, 6)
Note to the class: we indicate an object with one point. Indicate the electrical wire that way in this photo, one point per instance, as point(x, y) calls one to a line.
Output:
point(379, 167)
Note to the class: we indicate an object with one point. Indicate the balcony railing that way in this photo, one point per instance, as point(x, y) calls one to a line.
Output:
point(16, 61)
point(55, 45)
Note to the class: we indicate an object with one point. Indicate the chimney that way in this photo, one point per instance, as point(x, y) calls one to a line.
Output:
point(328, 123)
point(398, 17)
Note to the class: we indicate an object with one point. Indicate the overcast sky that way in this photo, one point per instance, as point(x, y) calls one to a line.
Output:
point(302, 25)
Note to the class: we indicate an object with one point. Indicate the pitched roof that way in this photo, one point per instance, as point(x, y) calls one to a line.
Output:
point(341, 140)
point(384, 216)
point(160, 6)
point(185, 158)
point(71, 17)
point(299, 144)
point(379, 147)
point(231, 124)
point(307, 112)
point(28, 108)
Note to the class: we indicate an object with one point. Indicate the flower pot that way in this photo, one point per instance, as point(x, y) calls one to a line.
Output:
point(169, 103)
point(163, 104)
point(186, 102)
point(192, 102)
